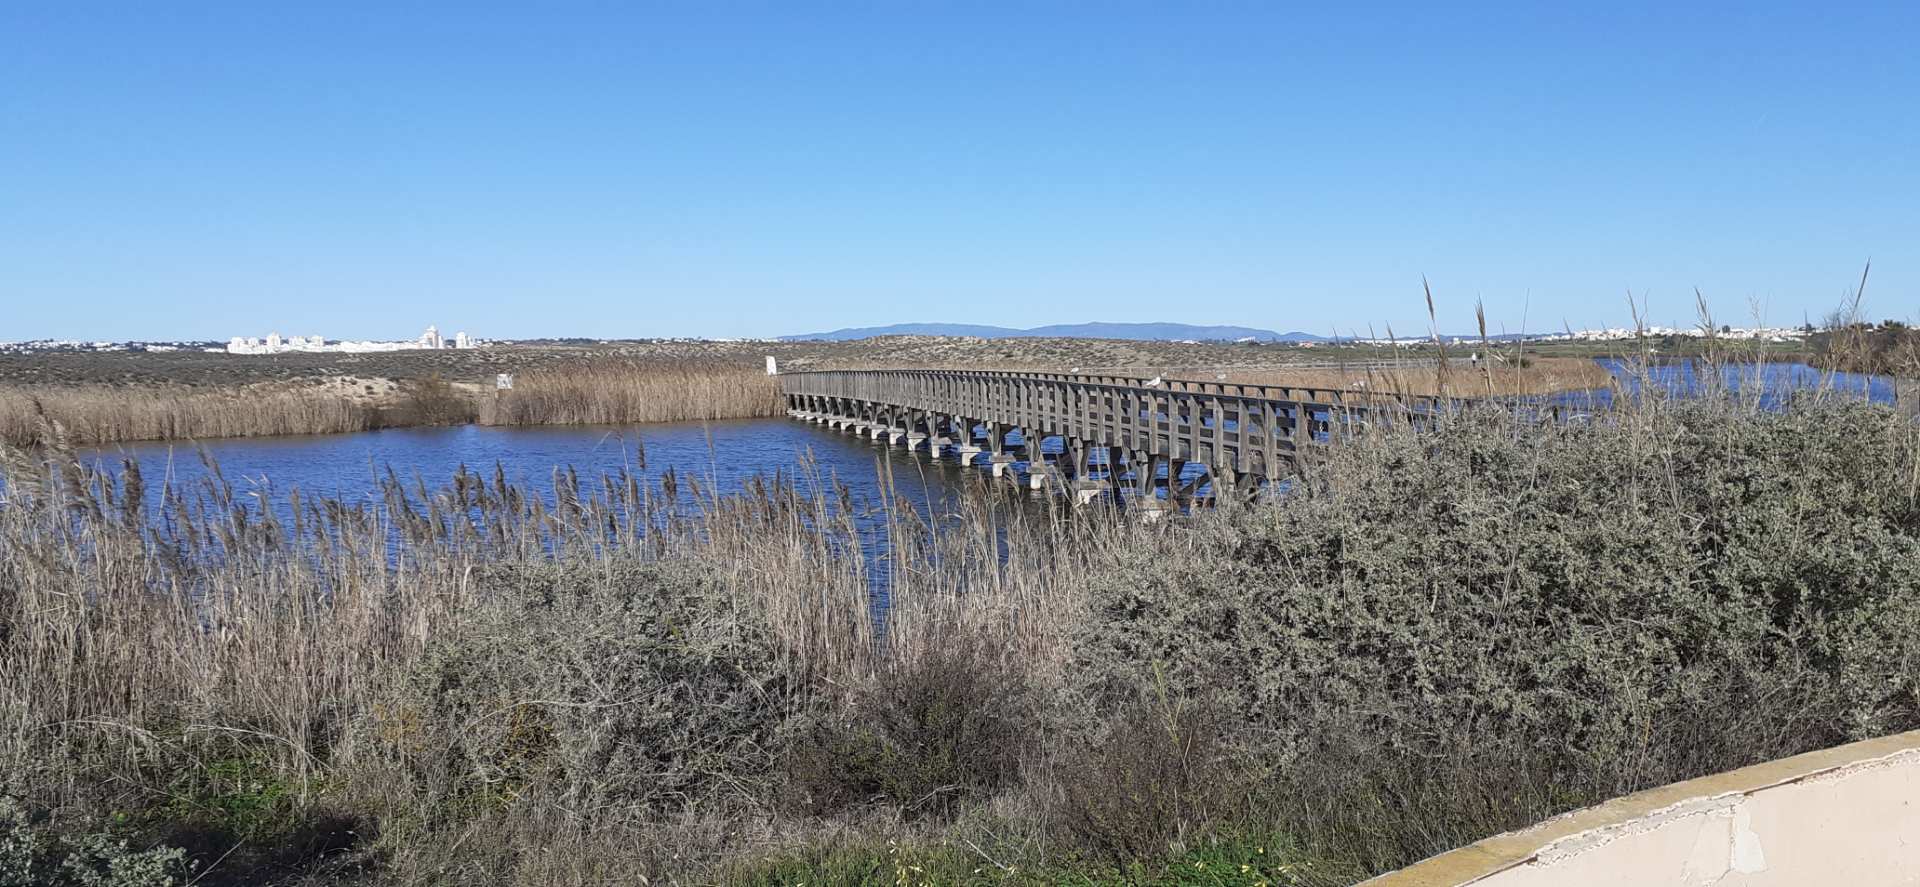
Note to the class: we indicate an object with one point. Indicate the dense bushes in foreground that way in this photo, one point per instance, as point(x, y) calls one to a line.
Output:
point(1483, 627)
point(1434, 638)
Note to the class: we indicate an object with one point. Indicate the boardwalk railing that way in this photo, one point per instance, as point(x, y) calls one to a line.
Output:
point(1148, 427)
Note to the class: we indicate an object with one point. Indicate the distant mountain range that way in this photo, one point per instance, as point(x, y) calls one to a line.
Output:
point(1172, 332)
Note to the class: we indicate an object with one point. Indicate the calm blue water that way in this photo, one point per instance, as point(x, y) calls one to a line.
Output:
point(1773, 384)
point(718, 456)
point(723, 457)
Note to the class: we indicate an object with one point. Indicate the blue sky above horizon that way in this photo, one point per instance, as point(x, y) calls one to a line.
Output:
point(202, 170)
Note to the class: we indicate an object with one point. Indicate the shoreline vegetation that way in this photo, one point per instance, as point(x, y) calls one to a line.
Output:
point(600, 392)
point(179, 399)
point(1431, 638)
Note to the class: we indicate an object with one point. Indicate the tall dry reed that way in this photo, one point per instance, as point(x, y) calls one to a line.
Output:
point(616, 392)
point(99, 414)
point(597, 392)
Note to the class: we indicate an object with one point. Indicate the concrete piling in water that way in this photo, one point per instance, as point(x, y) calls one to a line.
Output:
point(1086, 491)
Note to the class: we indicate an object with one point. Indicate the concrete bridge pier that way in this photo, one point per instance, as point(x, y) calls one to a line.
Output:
point(911, 430)
point(934, 436)
point(956, 432)
point(1000, 464)
point(1037, 468)
point(997, 438)
point(1086, 491)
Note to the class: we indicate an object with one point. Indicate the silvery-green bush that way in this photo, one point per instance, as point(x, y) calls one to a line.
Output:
point(615, 691)
point(1499, 610)
point(36, 857)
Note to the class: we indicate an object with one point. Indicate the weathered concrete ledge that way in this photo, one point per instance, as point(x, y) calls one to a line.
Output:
point(1846, 815)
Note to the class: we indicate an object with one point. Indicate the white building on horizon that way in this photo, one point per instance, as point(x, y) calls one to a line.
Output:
point(274, 343)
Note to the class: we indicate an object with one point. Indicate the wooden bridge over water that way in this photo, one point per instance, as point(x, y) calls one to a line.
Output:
point(1148, 440)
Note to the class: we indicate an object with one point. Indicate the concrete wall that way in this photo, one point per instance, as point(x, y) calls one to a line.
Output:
point(1846, 816)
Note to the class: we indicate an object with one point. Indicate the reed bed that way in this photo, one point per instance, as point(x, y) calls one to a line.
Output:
point(100, 414)
point(1430, 638)
point(1489, 374)
point(591, 392)
point(615, 392)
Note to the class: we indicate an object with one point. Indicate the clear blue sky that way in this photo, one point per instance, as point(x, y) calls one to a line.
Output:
point(736, 169)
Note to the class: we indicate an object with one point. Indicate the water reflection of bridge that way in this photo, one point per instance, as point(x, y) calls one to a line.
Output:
point(1152, 441)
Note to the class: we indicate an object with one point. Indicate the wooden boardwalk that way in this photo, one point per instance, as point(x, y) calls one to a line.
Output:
point(1174, 441)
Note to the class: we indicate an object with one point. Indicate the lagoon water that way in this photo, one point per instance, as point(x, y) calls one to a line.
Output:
point(1771, 384)
point(721, 455)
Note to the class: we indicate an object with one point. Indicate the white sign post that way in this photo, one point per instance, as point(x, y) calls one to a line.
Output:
point(773, 369)
point(503, 382)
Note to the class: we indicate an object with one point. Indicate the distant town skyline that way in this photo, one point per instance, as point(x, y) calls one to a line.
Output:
point(685, 170)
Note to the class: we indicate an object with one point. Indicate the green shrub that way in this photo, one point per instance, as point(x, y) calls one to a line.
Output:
point(21, 847)
point(1162, 771)
point(31, 857)
point(619, 691)
point(97, 860)
point(1548, 616)
point(928, 735)
point(431, 400)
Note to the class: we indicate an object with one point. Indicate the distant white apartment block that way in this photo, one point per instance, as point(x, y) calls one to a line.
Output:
point(274, 343)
